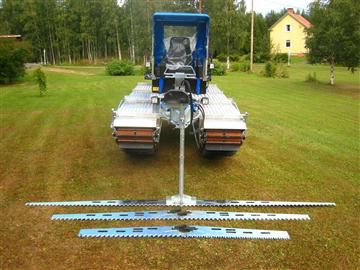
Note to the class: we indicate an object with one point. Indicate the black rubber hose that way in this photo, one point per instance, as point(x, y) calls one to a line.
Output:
point(202, 110)
point(188, 89)
point(191, 104)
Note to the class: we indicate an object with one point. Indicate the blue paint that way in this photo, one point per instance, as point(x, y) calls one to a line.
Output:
point(200, 21)
point(194, 106)
point(161, 85)
point(198, 86)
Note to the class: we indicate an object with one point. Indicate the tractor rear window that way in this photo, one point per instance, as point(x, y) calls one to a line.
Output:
point(188, 32)
point(179, 44)
point(179, 31)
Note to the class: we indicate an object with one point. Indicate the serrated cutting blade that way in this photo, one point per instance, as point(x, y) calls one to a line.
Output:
point(202, 203)
point(180, 215)
point(184, 231)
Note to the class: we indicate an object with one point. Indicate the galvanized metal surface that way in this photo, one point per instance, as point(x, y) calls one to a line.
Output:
point(221, 112)
point(136, 110)
point(185, 232)
point(207, 203)
point(179, 215)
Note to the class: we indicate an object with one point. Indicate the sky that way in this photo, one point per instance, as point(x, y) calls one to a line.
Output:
point(265, 6)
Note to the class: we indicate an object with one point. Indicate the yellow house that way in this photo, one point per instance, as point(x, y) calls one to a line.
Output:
point(288, 34)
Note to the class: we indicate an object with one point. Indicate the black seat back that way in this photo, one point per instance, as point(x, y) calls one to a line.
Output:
point(179, 53)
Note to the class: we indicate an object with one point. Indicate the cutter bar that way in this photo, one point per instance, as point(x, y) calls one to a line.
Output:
point(179, 215)
point(207, 203)
point(185, 231)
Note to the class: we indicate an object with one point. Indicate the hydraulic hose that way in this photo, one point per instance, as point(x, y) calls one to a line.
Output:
point(188, 89)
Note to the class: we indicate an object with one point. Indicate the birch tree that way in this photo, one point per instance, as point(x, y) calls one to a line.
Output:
point(335, 36)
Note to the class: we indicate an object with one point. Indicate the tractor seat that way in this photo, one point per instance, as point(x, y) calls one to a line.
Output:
point(179, 53)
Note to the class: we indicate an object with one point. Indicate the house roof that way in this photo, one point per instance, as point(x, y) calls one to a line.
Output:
point(10, 36)
point(297, 17)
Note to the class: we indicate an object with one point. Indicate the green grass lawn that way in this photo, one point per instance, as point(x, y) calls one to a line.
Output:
point(302, 144)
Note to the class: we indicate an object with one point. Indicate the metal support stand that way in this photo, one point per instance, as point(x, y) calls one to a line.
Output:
point(181, 160)
point(181, 199)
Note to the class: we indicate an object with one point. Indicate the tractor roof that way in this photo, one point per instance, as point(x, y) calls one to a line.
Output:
point(163, 19)
point(183, 19)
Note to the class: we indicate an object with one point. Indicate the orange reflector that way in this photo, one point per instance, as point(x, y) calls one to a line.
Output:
point(135, 135)
point(225, 136)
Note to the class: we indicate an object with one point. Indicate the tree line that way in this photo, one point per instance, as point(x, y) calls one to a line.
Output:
point(72, 31)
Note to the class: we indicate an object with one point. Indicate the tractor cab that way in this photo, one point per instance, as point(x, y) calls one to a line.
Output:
point(179, 93)
point(180, 52)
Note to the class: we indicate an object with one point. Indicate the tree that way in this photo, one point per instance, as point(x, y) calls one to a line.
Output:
point(226, 28)
point(76, 30)
point(13, 55)
point(261, 40)
point(40, 78)
point(335, 36)
point(273, 16)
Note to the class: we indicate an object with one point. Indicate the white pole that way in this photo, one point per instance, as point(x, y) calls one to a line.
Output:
point(252, 37)
point(45, 57)
point(181, 158)
point(289, 61)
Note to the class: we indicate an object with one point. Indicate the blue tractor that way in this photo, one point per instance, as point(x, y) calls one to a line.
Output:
point(179, 93)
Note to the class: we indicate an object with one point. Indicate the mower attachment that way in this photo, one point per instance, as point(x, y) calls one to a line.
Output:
point(179, 215)
point(185, 231)
point(205, 203)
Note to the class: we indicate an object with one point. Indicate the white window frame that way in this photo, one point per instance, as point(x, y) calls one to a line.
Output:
point(286, 27)
point(286, 41)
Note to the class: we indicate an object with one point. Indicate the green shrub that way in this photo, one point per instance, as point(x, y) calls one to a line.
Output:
point(270, 69)
point(244, 58)
point(219, 69)
point(282, 71)
point(235, 66)
point(280, 58)
point(273, 69)
point(234, 57)
point(13, 56)
point(41, 80)
point(140, 70)
point(221, 57)
point(312, 77)
point(241, 66)
point(120, 68)
point(261, 57)
point(244, 66)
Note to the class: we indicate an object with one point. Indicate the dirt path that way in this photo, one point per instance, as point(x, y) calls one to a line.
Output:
point(68, 71)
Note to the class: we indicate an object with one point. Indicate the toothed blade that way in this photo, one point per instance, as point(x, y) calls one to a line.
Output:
point(191, 232)
point(180, 215)
point(205, 203)
point(102, 203)
point(260, 203)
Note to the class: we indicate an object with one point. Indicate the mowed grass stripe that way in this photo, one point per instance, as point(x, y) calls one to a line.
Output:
point(303, 144)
